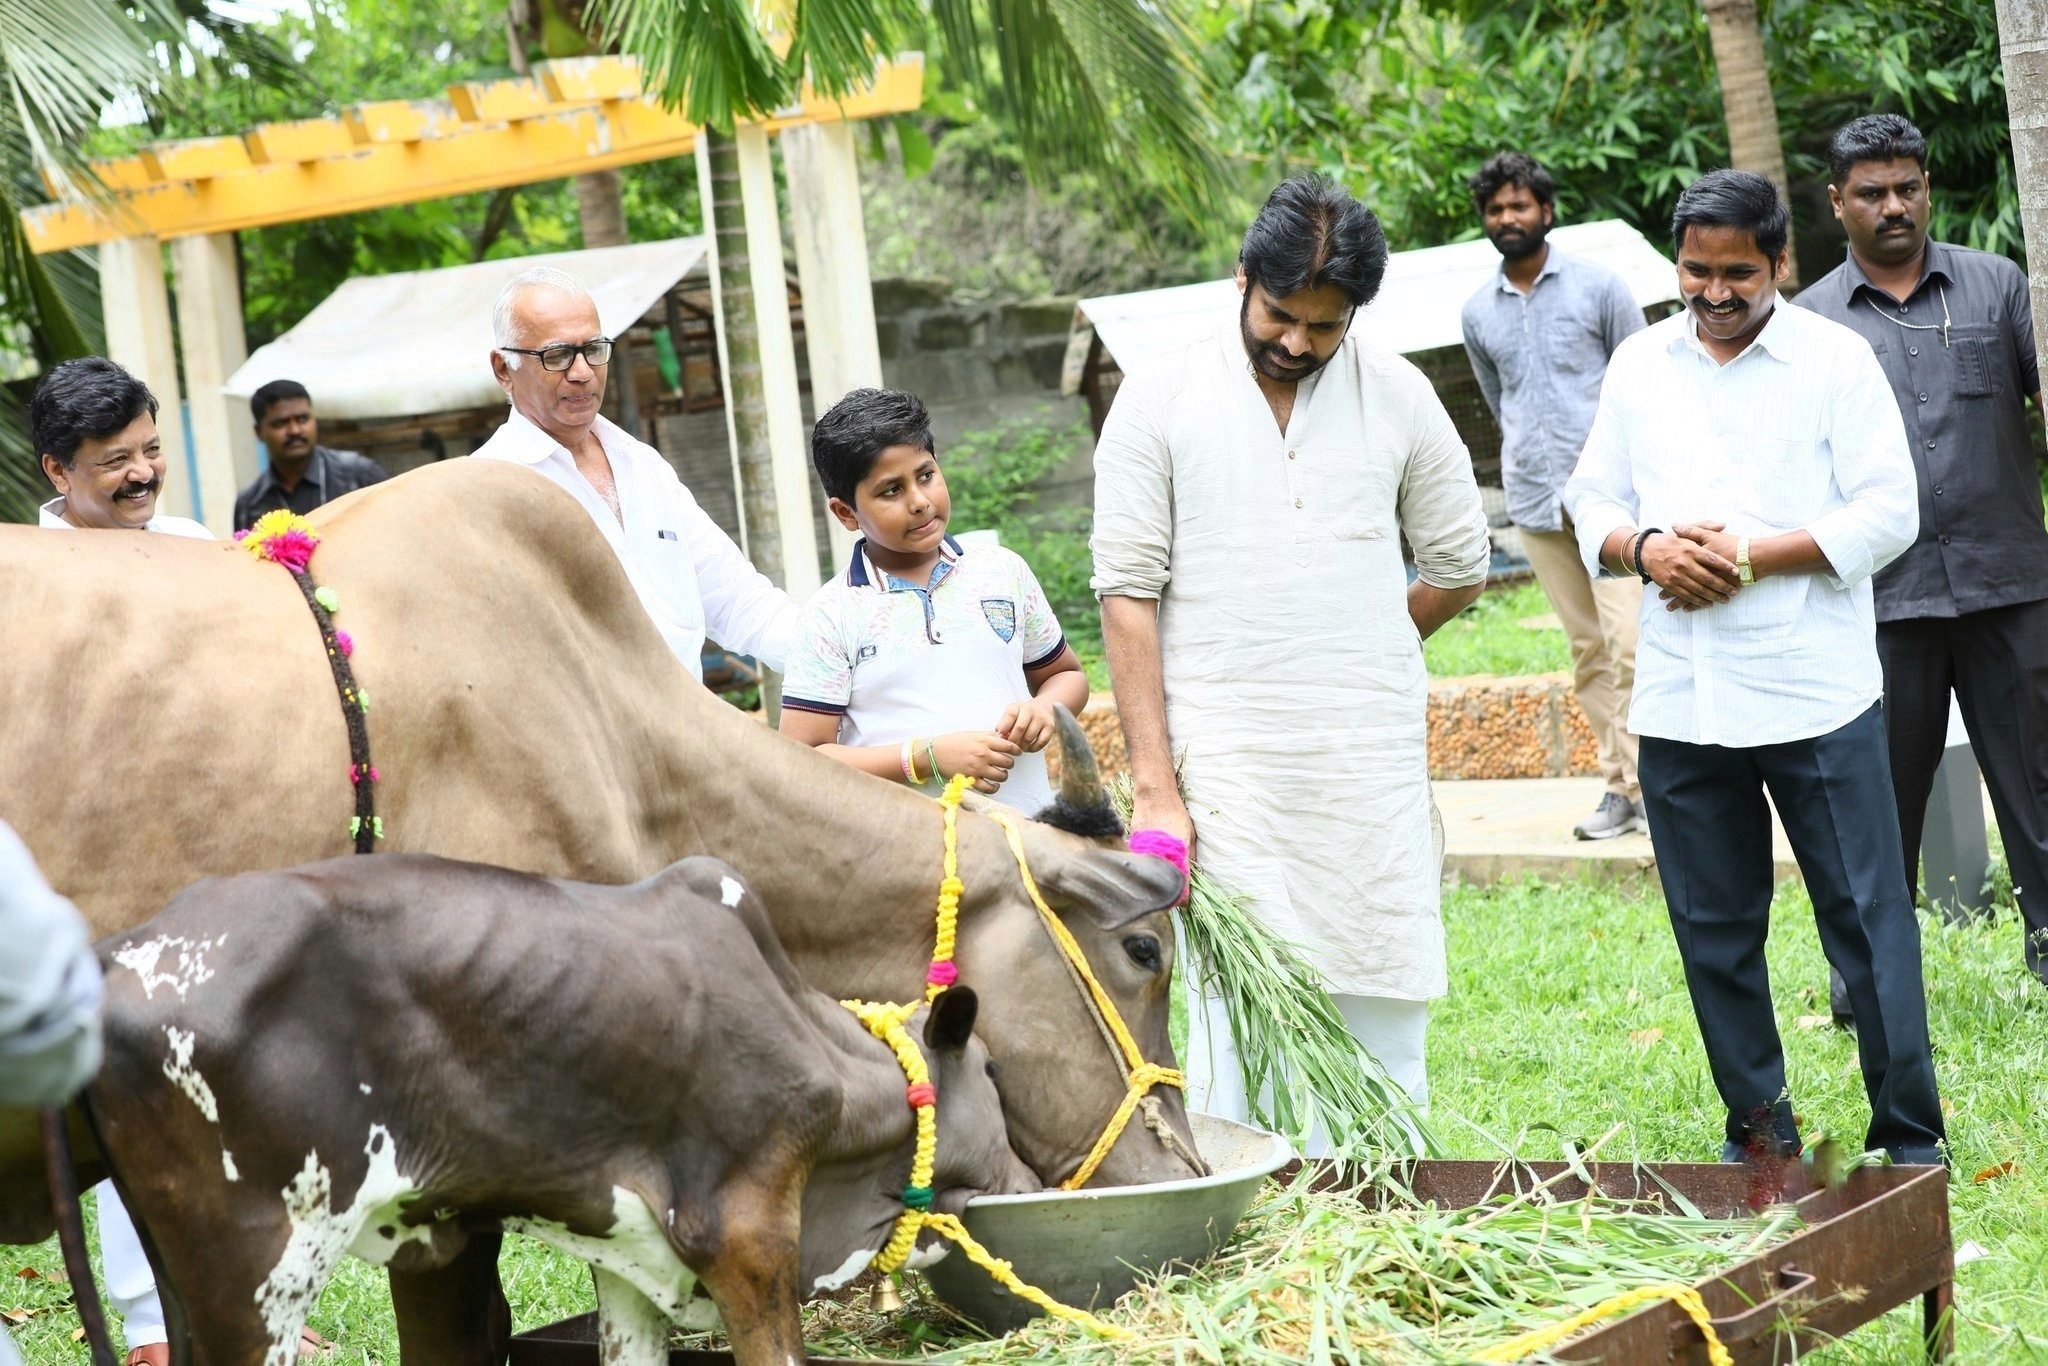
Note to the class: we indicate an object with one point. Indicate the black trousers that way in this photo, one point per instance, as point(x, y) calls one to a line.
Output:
point(1997, 663)
point(1712, 829)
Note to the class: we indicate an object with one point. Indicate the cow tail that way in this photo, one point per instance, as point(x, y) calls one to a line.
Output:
point(63, 1181)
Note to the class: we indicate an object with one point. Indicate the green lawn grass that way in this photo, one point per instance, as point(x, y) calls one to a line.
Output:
point(1489, 638)
point(1567, 1008)
point(1567, 1013)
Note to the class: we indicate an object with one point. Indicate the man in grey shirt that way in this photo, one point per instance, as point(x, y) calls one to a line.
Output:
point(1539, 335)
point(1965, 608)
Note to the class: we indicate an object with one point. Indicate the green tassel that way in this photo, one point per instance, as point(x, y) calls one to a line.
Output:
point(355, 826)
point(328, 599)
point(363, 701)
point(917, 1197)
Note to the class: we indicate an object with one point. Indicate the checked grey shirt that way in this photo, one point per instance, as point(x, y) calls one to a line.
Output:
point(1540, 359)
point(1981, 542)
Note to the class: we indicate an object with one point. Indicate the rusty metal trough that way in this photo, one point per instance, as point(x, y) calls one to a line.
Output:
point(1877, 1240)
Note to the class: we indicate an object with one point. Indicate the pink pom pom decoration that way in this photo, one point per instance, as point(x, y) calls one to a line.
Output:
point(942, 974)
point(344, 644)
point(1160, 844)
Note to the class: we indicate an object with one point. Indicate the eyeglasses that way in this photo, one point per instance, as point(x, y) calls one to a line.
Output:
point(598, 351)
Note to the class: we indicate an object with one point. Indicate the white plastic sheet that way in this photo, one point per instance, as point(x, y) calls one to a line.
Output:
point(1418, 304)
point(419, 341)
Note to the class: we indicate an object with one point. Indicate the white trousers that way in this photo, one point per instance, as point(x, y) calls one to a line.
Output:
point(131, 1284)
point(1391, 1030)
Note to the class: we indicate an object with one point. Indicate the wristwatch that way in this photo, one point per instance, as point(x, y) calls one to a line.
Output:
point(1743, 572)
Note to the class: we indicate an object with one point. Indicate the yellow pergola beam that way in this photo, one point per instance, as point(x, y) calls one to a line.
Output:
point(195, 158)
point(400, 152)
point(400, 121)
point(273, 144)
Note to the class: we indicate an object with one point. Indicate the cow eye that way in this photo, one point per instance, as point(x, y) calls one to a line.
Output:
point(991, 1067)
point(1144, 951)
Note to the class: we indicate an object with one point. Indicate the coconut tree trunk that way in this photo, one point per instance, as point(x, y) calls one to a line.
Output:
point(1753, 142)
point(2023, 43)
point(746, 398)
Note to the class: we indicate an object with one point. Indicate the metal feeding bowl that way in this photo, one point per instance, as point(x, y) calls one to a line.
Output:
point(1087, 1247)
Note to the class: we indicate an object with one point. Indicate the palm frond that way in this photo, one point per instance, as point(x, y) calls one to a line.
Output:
point(22, 488)
point(836, 43)
point(705, 57)
point(1111, 85)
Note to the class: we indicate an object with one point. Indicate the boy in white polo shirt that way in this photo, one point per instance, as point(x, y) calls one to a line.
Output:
point(924, 659)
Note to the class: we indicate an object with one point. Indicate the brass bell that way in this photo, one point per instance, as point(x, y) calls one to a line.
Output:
point(884, 1299)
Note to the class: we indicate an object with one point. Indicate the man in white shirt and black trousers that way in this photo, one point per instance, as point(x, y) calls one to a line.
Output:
point(1748, 460)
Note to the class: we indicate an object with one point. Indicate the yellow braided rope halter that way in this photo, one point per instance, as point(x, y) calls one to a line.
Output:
point(1686, 1297)
point(887, 1023)
point(1140, 1076)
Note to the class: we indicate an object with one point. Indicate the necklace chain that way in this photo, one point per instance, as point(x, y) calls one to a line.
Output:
point(1919, 327)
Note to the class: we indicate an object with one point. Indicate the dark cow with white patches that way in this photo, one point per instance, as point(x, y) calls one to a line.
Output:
point(402, 1057)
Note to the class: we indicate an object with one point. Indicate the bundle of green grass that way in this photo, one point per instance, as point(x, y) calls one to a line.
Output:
point(1307, 1076)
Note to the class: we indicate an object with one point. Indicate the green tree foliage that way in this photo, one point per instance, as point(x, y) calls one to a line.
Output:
point(1403, 98)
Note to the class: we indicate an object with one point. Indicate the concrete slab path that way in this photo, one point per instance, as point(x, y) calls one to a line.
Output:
point(1508, 827)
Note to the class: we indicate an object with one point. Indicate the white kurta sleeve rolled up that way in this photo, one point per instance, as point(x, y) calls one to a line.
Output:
point(1294, 680)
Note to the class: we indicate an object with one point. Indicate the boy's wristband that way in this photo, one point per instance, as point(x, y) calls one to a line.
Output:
point(932, 756)
point(909, 762)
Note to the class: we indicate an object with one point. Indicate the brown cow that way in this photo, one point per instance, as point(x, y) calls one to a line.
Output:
point(167, 713)
point(396, 1057)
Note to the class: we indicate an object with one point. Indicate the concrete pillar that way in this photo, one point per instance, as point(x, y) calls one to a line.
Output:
point(214, 346)
point(832, 266)
point(136, 309)
point(1955, 848)
point(791, 462)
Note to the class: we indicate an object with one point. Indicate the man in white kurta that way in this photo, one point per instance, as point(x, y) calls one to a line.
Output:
point(1287, 645)
point(688, 574)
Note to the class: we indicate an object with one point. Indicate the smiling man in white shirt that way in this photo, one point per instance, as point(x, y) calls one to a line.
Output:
point(1747, 460)
point(94, 429)
point(550, 355)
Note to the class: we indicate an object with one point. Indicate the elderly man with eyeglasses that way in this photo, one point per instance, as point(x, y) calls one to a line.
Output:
point(550, 355)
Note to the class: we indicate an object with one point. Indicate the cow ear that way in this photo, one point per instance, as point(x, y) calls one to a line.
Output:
point(1113, 888)
point(950, 1022)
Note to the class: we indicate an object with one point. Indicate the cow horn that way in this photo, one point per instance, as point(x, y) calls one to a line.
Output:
point(1080, 779)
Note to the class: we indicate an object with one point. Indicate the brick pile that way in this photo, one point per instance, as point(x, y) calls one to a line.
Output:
point(1527, 727)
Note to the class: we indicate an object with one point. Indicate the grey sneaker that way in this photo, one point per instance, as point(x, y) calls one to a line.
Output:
point(1616, 815)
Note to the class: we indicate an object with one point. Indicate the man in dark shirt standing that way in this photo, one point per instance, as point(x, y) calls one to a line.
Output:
point(302, 473)
point(1966, 607)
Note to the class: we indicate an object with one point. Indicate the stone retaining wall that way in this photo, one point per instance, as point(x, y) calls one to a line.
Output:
point(1528, 727)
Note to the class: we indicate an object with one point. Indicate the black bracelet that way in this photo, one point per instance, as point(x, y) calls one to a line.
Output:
point(1637, 555)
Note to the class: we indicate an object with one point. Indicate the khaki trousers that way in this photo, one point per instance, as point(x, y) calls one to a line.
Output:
point(1599, 618)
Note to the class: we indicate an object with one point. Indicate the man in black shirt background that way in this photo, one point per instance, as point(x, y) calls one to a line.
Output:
point(301, 474)
point(1966, 607)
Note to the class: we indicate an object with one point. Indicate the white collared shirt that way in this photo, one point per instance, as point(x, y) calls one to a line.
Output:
point(1800, 431)
point(895, 660)
point(691, 578)
point(51, 514)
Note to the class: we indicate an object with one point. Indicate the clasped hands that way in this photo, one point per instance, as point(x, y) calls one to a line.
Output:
point(1694, 565)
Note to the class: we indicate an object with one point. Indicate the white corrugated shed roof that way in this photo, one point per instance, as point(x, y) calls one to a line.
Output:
point(420, 341)
point(1417, 307)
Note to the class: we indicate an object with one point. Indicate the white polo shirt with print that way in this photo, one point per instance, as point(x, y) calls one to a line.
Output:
point(895, 660)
